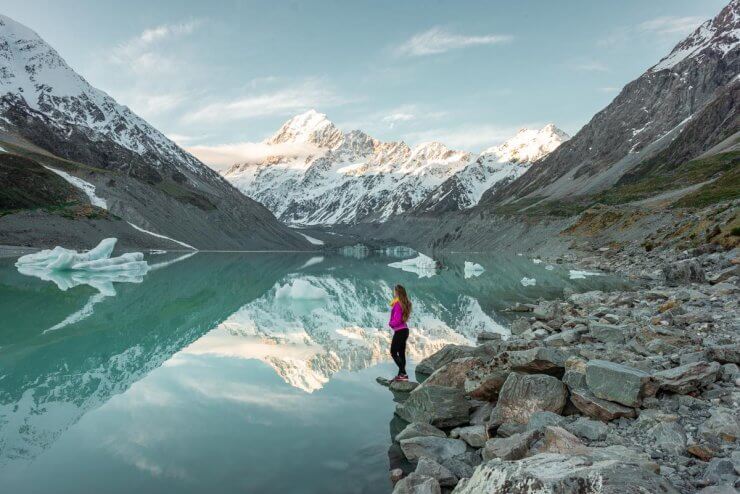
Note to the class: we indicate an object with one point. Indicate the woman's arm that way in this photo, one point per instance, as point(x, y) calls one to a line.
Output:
point(396, 316)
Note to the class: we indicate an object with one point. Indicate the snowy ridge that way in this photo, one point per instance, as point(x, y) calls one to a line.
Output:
point(718, 35)
point(32, 71)
point(354, 177)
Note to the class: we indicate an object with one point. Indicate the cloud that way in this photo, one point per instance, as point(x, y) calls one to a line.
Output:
point(222, 156)
point(149, 104)
point(309, 94)
point(438, 40)
point(671, 25)
point(399, 117)
point(140, 53)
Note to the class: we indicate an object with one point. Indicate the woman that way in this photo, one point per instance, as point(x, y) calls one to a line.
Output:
point(400, 312)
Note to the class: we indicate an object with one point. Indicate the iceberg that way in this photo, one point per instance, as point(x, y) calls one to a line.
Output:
point(473, 269)
point(423, 266)
point(301, 290)
point(528, 281)
point(97, 259)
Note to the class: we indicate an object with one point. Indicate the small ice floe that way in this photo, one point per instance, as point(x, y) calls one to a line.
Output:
point(97, 259)
point(537, 261)
point(519, 254)
point(576, 274)
point(423, 266)
point(549, 267)
point(473, 269)
point(528, 281)
point(300, 290)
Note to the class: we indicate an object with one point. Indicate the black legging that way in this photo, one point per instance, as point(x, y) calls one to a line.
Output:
point(398, 349)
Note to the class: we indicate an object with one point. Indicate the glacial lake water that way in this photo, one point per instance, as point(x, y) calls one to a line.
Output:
point(215, 373)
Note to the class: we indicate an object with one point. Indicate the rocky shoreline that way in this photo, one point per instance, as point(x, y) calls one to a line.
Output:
point(633, 391)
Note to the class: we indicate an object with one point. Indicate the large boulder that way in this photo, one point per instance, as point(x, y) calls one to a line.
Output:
point(683, 273)
point(617, 382)
point(593, 430)
point(418, 429)
point(597, 408)
point(687, 378)
point(415, 483)
point(440, 406)
point(549, 473)
point(454, 373)
point(541, 360)
point(474, 435)
point(485, 382)
point(436, 448)
point(514, 447)
point(723, 425)
point(449, 353)
point(557, 440)
point(609, 333)
point(670, 437)
point(524, 394)
point(725, 354)
point(430, 468)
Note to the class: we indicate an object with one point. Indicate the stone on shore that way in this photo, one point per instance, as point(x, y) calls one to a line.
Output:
point(514, 447)
point(683, 273)
point(540, 360)
point(415, 483)
point(453, 374)
point(617, 382)
point(485, 383)
point(609, 333)
point(557, 440)
point(437, 448)
point(597, 408)
point(687, 378)
point(725, 354)
point(593, 430)
point(474, 435)
point(449, 353)
point(524, 394)
point(430, 468)
point(670, 437)
point(543, 419)
point(419, 429)
point(722, 425)
point(439, 406)
point(548, 472)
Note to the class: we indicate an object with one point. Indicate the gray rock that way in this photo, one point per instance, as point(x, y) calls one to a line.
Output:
point(459, 467)
point(725, 354)
point(555, 439)
point(687, 378)
point(688, 358)
point(597, 408)
point(542, 360)
point(670, 437)
point(453, 373)
point(449, 353)
point(683, 273)
point(586, 299)
point(474, 435)
point(417, 484)
point(729, 372)
point(485, 382)
point(419, 429)
point(550, 473)
point(593, 430)
point(722, 425)
point(574, 380)
point(481, 414)
point(514, 447)
point(524, 394)
point(437, 448)
point(510, 428)
point(539, 420)
point(437, 405)
point(519, 326)
point(403, 386)
point(720, 470)
point(564, 338)
point(609, 333)
point(617, 382)
point(429, 468)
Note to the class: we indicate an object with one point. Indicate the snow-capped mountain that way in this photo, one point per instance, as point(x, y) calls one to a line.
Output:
point(676, 110)
point(145, 178)
point(329, 177)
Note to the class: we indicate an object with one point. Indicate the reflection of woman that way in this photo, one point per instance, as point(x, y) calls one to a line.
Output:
point(400, 312)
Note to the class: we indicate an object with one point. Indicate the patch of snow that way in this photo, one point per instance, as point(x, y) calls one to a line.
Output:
point(86, 187)
point(314, 241)
point(160, 236)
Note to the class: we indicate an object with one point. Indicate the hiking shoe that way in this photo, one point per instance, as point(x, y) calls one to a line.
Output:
point(401, 378)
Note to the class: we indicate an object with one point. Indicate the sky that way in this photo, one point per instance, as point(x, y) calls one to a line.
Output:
point(216, 76)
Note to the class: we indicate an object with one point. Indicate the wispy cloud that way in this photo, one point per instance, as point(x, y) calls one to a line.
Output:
point(222, 156)
point(140, 53)
point(468, 137)
point(309, 94)
point(671, 25)
point(438, 40)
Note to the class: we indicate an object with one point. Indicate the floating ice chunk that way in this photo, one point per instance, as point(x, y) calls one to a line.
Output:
point(95, 260)
point(473, 269)
point(576, 274)
point(300, 289)
point(549, 267)
point(423, 266)
point(528, 281)
point(537, 261)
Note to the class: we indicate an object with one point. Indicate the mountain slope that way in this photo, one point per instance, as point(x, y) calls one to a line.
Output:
point(321, 176)
point(648, 115)
point(50, 112)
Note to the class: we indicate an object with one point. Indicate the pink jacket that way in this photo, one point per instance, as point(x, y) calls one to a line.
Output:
point(396, 322)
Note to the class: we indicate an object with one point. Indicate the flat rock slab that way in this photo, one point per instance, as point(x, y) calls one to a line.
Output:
point(436, 448)
point(449, 353)
point(687, 378)
point(541, 360)
point(512, 448)
point(418, 429)
point(430, 468)
point(454, 373)
point(439, 406)
point(524, 394)
point(474, 435)
point(617, 382)
point(415, 483)
point(597, 408)
point(397, 386)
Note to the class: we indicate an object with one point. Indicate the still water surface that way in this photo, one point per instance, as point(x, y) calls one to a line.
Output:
point(229, 372)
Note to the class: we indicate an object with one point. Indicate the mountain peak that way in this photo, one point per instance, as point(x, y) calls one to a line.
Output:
point(310, 127)
point(528, 145)
point(720, 35)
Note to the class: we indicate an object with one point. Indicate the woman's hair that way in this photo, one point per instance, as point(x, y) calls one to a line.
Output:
point(403, 299)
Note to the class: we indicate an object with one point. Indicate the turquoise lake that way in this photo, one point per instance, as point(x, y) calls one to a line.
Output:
point(239, 372)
